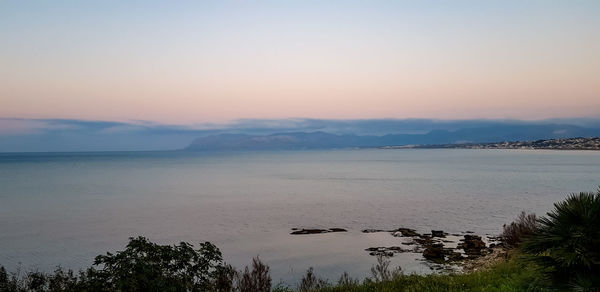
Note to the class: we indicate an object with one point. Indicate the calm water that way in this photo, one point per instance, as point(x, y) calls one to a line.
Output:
point(67, 208)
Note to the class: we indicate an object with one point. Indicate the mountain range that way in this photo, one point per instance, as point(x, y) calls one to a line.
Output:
point(323, 140)
point(60, 135)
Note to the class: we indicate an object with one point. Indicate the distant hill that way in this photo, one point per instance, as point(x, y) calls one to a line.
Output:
point(61, 135)
point(579, 143)
point(296, 140)
point(322, 140)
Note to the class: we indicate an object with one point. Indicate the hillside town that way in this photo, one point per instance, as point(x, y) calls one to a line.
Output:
point(555, 144)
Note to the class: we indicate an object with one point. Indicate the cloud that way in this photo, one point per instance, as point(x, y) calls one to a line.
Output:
point(14, 126)
point(121, 129)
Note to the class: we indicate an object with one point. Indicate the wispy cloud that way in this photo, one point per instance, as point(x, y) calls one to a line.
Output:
point(14, 126)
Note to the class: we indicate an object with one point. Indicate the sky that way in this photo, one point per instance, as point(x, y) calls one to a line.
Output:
point(196, 62)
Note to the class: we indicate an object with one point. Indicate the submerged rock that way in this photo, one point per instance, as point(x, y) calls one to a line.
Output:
point(437, 233)
point(437, 247)
point(424, 240)
point(337, 230)
point(374, 230)
point(472, 245)
point(386, 251)
point(296, 231)
point(438, 254)
point(455, 256)
point(407, 232)
point(434, 252)
point(309, 231)
point(382, 253)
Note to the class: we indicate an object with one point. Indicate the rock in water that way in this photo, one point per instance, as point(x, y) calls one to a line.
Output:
point(386, 251)
point(434, 252)
point(437, 233)
point(472, 245)
point(405, 232)
point(374, 230)
point(337, 230)
point(309, 231)
point(296, 231)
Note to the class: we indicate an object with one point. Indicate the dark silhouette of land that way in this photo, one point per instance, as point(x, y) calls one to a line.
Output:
point(558, 137)
point(556, 144)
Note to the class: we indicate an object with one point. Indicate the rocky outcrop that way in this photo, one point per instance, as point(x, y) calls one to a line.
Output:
point(407, 232)
point(437, 233)
point(472, 245)
point(434, 252)
point(436, 247)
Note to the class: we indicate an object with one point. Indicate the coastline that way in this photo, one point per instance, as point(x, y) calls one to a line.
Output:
point(438, 250)
point(589, 144)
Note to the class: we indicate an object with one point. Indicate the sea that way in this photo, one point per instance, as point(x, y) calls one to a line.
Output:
point(63, 209)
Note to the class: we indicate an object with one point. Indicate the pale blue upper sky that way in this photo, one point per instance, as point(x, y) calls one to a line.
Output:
point(212, 61)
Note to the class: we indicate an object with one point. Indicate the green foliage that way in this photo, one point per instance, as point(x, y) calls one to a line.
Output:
point(310, 282)
point(516, 232)
point(381, 272)
point(256, 280)
point(147, 266)
point(347, 281)
point(60, 280)
point(281, 287)
point(514, 275)
point(567, 242)
point(142, 266)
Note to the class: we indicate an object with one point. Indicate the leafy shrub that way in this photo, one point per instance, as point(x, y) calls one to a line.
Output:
point(281, 287)
point(224, 278)
point(347, 281)
point(142, 266)
point(60, 280)
point(147, 266)
point(311, 283)
point(517, 231)
point(567, 242)
point(10, 282)
point(257, 280)
point(509, 276)
point(381, 272)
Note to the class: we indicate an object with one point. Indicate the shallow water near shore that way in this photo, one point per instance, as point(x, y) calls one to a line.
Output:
point(66, 208)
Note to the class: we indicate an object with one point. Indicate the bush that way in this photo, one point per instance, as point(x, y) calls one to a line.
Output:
point(147, 266)
point(257, 280)
point(513, 275)
point(380, 272)
point(567, 242)
point(517, 231)
point(142, 266)
point(311, 283)
point(347, 281)
point(60, 280)
point(225, 276)
point(10, 282)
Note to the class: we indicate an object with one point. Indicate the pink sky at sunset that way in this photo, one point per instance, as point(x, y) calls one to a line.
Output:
point(220, 61)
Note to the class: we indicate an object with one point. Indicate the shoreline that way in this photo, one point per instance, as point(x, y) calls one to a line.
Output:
point(591, 144)
point(440, 251)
